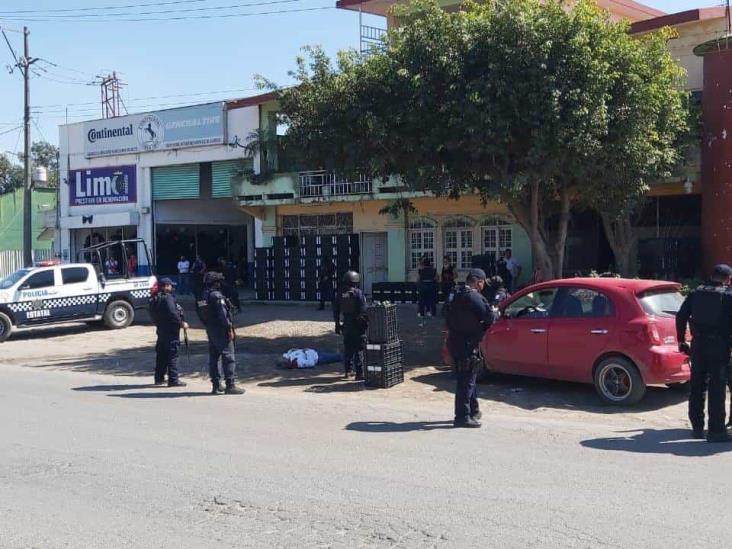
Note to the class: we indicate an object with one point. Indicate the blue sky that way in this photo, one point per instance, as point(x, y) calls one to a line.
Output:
point(166, 58)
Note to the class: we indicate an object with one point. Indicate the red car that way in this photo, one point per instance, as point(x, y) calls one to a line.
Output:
point(618, 334)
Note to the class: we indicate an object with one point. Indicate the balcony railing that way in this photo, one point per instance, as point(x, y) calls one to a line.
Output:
point(372, 39)
point(322, 183)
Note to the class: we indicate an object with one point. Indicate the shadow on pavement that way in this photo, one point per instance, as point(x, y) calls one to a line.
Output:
point(167, 394)
point(534, 393)
point(391, 427)
point(676, 442)
point(102, 388)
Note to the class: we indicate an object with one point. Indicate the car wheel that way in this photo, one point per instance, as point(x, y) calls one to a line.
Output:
point(618, 382)
point(6, 327)
point(119, 314)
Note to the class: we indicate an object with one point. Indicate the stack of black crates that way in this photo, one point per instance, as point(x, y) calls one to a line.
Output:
point(291, 268)
point(384, 354)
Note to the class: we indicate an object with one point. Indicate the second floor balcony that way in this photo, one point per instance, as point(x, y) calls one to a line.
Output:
point(320, 183)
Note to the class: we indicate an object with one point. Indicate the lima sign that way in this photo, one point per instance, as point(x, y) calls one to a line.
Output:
point(101, 186)
point(168, 129)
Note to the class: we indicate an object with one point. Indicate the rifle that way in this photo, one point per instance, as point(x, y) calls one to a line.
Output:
point(182, 315)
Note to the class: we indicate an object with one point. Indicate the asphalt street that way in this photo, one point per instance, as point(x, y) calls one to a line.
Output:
point(92, 460)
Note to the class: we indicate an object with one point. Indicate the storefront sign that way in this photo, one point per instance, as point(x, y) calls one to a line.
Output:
point(168, 129)
point(100, 186)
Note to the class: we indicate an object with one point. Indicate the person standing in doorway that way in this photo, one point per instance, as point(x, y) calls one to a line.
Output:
point(514, 268)
point(184, 269)
point(198, 271)
point(447, 280)
point(427, 287)
point(325, 283)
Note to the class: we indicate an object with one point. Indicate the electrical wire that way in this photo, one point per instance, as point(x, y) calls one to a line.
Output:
point(180, 18)
point(161, 12)
point(11, 130)
point(107, 7)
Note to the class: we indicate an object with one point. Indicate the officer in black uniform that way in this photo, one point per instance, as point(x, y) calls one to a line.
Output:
point(168, 318)
point(220, 332)
point(708, 310)
point(351, 303)
point(468, 316)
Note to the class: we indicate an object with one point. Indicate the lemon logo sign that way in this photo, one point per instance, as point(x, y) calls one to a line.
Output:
point(150, 132)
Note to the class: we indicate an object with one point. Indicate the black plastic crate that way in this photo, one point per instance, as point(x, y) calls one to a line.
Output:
point(384, 354)
point(384, 376)
point(383, 325)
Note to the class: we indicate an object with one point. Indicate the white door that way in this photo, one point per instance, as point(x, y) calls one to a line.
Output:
point(374, 263)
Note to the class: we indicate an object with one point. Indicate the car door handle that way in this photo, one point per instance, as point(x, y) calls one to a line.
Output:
point(538, 331)
point(598, 332)
point(88, 289)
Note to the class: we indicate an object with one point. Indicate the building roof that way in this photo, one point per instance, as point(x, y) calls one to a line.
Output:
point(251, 101)
point(674, 19)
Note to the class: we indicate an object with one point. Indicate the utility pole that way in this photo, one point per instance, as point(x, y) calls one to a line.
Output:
point(28, 187)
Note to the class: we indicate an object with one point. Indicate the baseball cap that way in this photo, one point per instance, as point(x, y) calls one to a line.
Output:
point(477, 273)
point(166, 281)
point(723, 270)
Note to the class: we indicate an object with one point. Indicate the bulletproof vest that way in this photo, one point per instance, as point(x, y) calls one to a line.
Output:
point(153, 305)
point(349, 302)
point(459, 317)
point(708, 313)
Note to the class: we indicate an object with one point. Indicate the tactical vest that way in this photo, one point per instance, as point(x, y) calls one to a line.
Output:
point(349, 302)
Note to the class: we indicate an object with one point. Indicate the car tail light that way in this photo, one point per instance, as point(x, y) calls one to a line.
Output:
point(653, 334)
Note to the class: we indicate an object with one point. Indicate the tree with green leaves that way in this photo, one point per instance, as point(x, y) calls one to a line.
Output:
point(526, 102)
point(45, 154)
point(11, 175)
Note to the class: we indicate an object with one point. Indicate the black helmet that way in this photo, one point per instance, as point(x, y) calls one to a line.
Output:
point(351, 278)
point(212, 277)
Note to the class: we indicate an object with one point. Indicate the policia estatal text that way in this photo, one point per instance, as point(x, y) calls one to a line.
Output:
point(708, 310)
point(468, 316)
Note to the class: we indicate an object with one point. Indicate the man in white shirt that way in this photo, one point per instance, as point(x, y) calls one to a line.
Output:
point(514, 267)
point(184, 269)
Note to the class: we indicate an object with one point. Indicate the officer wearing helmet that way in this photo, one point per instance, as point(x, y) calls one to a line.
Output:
point(708, 311)
point(468, 316)
point(351, 305)
point(168, 318)
point(220, 332)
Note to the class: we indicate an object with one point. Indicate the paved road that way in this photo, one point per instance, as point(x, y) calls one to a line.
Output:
point(90, 460)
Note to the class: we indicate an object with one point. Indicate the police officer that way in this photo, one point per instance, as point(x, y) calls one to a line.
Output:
point(168, 318)
point(220, 332)
point(708, 310)
point(351, 303)
point(468, 316)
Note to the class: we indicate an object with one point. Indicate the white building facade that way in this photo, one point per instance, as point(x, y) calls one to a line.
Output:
point(166, 177)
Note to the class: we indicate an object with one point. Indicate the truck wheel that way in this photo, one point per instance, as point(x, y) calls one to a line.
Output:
point(119, 314)
point(618, 382)
point(6, 327)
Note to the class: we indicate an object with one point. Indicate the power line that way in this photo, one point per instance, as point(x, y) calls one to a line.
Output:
point(46, 108)
point(108, 7)
point(180, 18)
point(160, 12)
point(15, 57)
point(12, 130)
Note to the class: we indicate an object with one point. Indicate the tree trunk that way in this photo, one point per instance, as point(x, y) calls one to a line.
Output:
point(562, 228)
point(529, 217)
point(623, 239)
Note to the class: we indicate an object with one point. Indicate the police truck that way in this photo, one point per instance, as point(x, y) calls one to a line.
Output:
point(105, 286)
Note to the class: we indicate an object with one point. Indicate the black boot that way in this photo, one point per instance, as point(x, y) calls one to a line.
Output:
point(177, 383)
point(217, 388)
point(232, 389)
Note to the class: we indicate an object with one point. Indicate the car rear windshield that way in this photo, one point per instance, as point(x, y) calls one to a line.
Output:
point(661, 302)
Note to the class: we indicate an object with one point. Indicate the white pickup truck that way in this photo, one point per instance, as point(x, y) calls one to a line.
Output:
point(53, 294)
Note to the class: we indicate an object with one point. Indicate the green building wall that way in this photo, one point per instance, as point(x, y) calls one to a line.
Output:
point(11, 218)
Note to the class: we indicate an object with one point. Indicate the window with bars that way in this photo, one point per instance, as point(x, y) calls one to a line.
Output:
point(421, 242)
point(497, 236)
point(322, 224)
point(459, 242)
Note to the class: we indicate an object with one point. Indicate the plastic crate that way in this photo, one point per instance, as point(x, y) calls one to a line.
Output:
point(384, 354)
point(384, 376)
point(383, 325)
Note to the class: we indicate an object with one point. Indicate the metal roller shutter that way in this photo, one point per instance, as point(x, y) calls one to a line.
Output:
point(221, 174)
point(176, 182)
